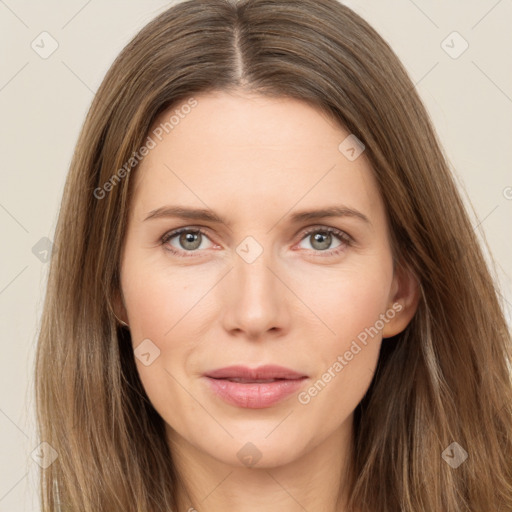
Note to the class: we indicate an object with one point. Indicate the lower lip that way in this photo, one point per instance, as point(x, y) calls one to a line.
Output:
point(254, 395)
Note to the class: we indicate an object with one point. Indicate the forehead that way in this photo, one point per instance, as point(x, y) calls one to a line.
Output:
point(250, 152)
point(246, 123)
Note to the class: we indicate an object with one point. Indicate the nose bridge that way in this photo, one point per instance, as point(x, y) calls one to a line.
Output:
point(255, 295)
point(252, 268)
point(253, 278)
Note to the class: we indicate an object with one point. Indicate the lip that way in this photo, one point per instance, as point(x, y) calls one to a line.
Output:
point(254, 395)
point(268, 371)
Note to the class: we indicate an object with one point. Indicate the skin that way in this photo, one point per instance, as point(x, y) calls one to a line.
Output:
point(255, 161)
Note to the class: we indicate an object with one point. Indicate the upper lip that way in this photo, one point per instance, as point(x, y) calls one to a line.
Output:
point(260, 373)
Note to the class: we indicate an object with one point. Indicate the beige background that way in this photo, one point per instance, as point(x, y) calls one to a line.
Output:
point(43, 103)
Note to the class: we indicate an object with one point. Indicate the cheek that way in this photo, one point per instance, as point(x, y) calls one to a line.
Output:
point(347, 301)
point(160, 307)
point(165, 306)
point(155, 299)
point(350, 306)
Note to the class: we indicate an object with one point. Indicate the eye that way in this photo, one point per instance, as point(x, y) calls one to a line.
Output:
point(189, 240)
point(323, 238)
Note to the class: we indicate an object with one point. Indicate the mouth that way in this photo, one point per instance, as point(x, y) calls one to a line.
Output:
point(249, 381)
point(262, 373)
point(254, 388)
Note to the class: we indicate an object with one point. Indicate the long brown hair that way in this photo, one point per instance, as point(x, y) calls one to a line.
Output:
point(445, 379)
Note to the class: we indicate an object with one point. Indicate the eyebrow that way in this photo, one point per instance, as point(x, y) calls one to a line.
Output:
point(207, 215)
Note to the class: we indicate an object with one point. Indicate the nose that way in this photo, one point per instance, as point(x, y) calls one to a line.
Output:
point(255, 298)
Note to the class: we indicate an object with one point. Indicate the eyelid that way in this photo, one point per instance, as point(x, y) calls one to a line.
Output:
point(330, 229)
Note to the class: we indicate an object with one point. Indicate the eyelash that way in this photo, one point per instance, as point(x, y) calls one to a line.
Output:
point(346, 240)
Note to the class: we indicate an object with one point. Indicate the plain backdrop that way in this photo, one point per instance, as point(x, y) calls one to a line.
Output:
point(458, 54)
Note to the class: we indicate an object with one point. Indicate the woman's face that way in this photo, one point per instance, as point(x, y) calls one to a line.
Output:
point(267, 286)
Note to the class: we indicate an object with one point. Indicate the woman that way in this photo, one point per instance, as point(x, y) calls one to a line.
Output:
point(267, 292)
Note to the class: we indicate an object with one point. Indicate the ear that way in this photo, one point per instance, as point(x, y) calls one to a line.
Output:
point(119, 307)
point(404, 300)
